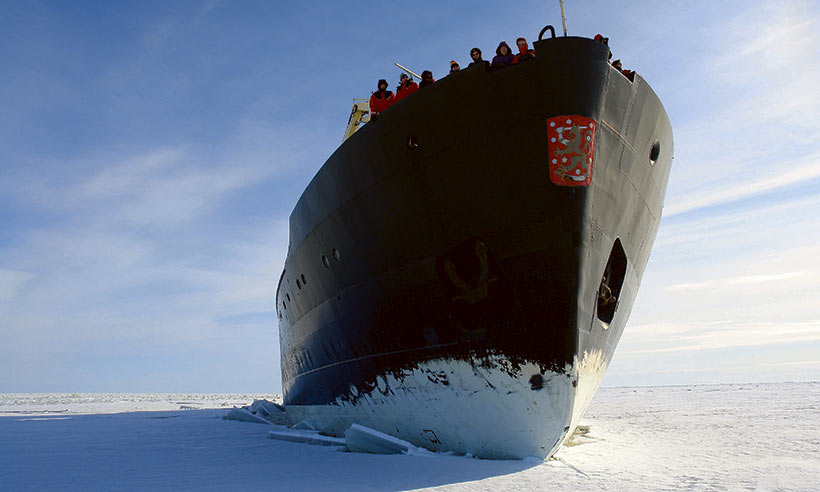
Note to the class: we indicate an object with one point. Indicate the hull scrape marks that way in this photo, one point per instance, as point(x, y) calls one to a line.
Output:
point(439, 377)
point(590, 371)
point(459, 406)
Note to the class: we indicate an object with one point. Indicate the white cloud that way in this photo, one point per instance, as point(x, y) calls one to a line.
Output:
point(756, 122)
point(749, 184)
point(10, 283)
point(154, 188)
point(741, 280)
point(721, 335)
point(799, 363)
point(121, 178)
point(132, 251)
point(137, 252)
point(103, 292)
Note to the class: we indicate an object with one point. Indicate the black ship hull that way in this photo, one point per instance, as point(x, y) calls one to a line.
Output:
point(446, 285)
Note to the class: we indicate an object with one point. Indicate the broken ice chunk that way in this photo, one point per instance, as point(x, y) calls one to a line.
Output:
point(362, 439)
point(243, 415)
point(305, 436)
point(266, 407)
point(303, 425)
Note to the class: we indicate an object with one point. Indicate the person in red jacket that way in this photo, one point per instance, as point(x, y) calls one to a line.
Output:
point(380, 100)
point(601, 39)
point(524, 51)
point(405, 88)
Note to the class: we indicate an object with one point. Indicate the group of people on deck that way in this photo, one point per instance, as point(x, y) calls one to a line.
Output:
point(504, 57)
point(629, 74)
point(384, 98)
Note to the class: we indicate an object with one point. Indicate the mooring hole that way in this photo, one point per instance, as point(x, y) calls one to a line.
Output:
point(609, 290)
point(412, 143)
point(654, 152)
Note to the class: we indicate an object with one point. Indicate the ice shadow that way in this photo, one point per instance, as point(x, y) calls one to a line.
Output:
point(196, 449)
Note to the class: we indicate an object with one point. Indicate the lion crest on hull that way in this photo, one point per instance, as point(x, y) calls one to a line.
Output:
point(571, 144)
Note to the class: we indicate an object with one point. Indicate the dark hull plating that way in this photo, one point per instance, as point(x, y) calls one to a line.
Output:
point(461, 248)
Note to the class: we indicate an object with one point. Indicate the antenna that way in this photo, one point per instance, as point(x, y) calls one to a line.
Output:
point(408, 70)
point(563, 17)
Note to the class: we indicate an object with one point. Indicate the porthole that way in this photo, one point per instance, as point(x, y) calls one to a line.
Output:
point(336, 255)
point(288, 296)
point(654, 152)
point(284, 306)
point(304, 282)
point(412, 143)
point(298, 284)
point(325, 261)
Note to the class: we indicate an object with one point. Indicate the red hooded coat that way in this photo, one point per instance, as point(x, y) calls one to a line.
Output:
point(524, 51)
point(381, 100)
point(404, 91)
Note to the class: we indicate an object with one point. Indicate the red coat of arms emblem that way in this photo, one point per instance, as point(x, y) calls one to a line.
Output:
point(571, 143)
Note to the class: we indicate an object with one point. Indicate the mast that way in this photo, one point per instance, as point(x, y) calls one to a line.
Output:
point(408, 70)
point(563, 17)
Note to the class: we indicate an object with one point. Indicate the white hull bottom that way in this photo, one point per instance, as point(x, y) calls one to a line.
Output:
point(453, 405)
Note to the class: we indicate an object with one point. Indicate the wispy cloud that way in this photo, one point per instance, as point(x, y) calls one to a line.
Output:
point(10, 283)
point(756, 123)
point(742, 280)
point(137, 252)
point(149, 176)
point(157, 187)
point(729, 334)
point(750, 183)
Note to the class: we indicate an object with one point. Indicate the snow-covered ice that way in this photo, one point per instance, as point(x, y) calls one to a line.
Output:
point(362, 439)
point(306, 436)
point(244, 415)
point(711, 437)
point(266, 407)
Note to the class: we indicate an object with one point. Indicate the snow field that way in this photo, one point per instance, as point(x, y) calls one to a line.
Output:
point(709, 438)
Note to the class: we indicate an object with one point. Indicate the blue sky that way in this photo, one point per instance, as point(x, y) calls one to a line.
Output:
point(151, 152)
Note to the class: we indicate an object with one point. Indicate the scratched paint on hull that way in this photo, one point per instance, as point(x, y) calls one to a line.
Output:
point(590, 371)
point(455, 405)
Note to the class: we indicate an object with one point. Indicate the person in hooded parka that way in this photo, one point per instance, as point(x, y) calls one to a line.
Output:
point(381, 99)
point(426, 79)
point(503, 56)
